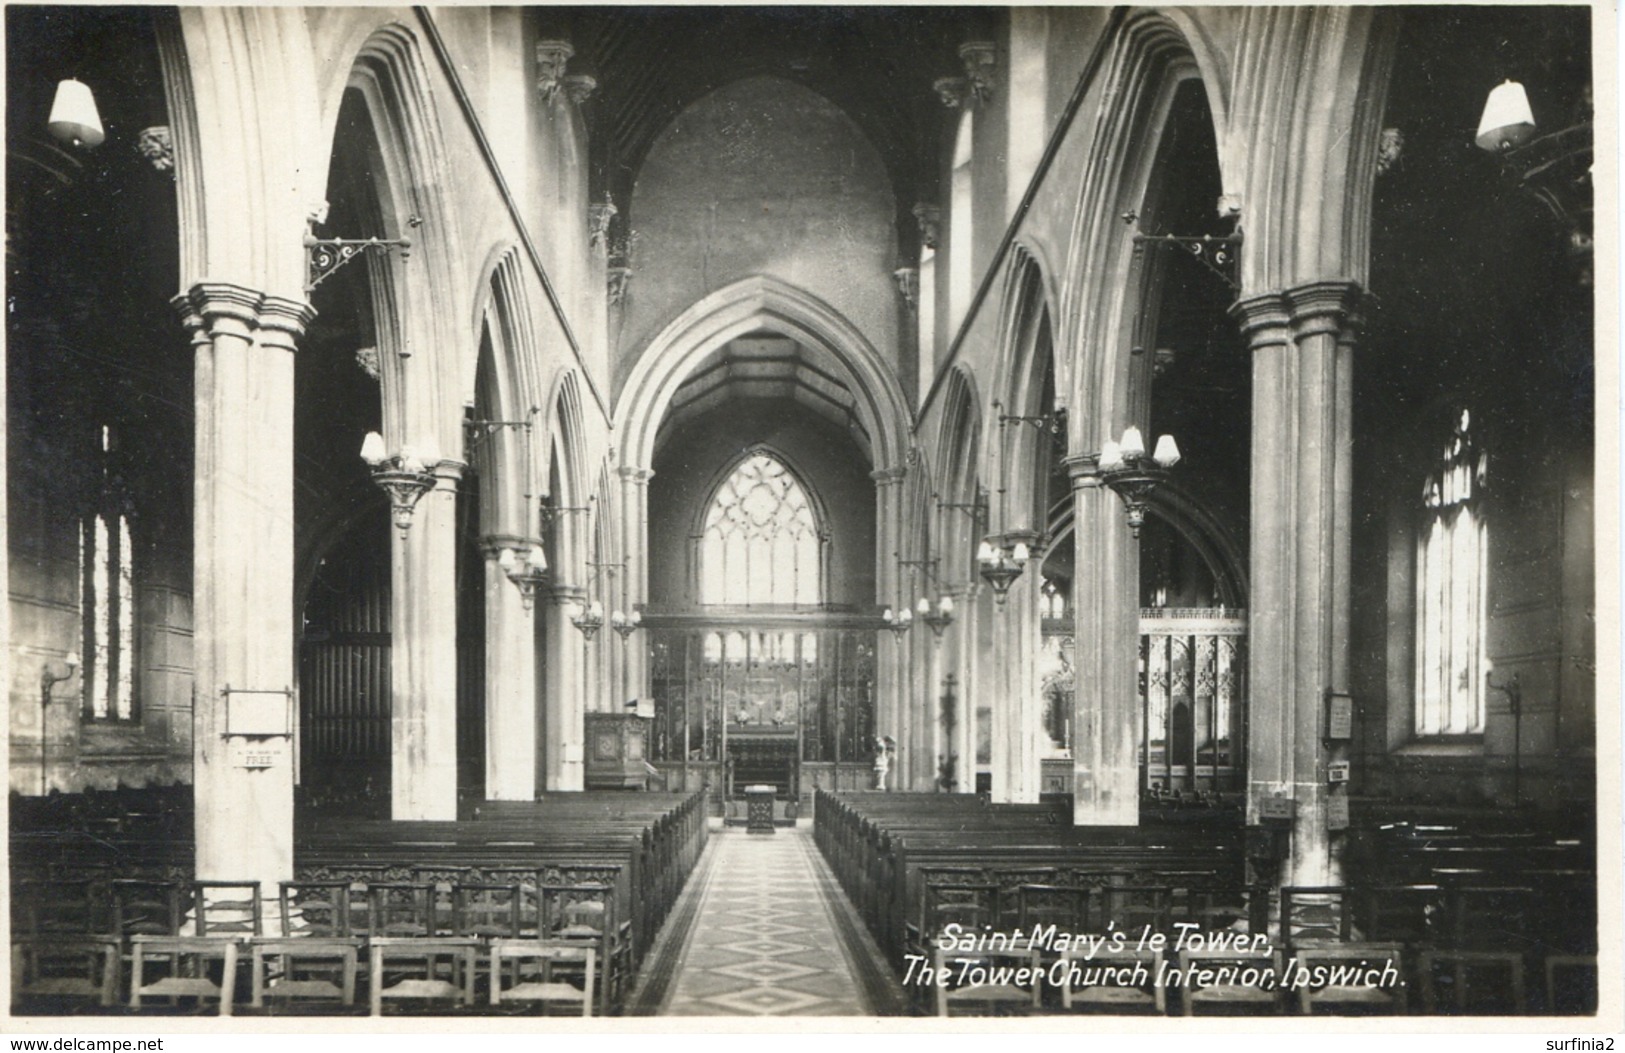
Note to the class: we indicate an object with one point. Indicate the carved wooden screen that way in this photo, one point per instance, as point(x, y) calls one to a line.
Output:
point(1193, 666)
point(817, 685)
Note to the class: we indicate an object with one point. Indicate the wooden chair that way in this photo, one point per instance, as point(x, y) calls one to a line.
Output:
point(189, 964)
point(227, 908)
point(551, 985)
point(1255, 992)
point(60, 907)
point(1384, 998)
point(1504, 998)
point(314, 908)
point(1015, 987)
point(305, 970)
point(586, 914)
point(1133, 908)
point(486, 911)
point(1316, 916)
point(55, 972)
point(147, 908)
point(421, 969)
point(1109, 981)
point(401, 910)
point(971, 907)
point(1065, 907)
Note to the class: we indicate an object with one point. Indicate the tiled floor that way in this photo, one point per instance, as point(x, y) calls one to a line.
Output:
point(765, 939)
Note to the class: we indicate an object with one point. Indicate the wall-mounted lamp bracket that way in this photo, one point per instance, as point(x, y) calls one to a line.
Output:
point(1216, 252)
point(477, 431)
point(325, 256)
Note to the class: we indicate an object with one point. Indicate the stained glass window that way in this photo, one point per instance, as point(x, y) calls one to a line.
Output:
point(1451, 606)
point(761, 544)
point(107, 598)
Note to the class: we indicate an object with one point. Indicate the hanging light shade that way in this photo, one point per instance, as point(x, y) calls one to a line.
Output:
point(536, 559)
point(1508, 122)
point(372, 449)
point(1167, 453)
point(74, 119)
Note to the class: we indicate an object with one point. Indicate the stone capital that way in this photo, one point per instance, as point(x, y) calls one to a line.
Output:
point(634, 475)
point(491, 545)
point(579, 87)
point(888, 476)
point(211, 309)
point(929, 217)
point(448, 473)
point(1265, 319)
point(1320, 308)
point(566, 595)
point(283, 321)
point(1083, 469)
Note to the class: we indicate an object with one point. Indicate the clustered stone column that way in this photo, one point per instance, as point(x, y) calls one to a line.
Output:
point(510, 681)
point(1106, 718)
point(1302, 340)
point(891, 672)
point(423, 667)
point(243, 343)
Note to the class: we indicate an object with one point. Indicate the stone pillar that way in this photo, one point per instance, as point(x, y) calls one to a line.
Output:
point(564, 699)
point(510, 679)
point(423, 657)
point(1302, 345)
point(244, 628)
point(1017, 710)
point(633, 681)
point(891, 671)
point(1106, 717)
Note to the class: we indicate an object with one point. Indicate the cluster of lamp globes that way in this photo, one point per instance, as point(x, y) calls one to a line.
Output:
point(405, 477)
point(938, 616)
point(1125, 468)
point(591, 618)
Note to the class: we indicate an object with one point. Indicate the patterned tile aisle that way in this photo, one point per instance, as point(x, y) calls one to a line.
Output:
point(766, 939)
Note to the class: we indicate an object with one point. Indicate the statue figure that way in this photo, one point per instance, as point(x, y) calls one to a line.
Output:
point(884, 748)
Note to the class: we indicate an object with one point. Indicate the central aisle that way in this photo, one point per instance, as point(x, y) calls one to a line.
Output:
point(763, 930)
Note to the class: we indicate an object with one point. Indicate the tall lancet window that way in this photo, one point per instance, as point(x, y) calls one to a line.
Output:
point(761, 545)
point(107, 596)
point(1452, 610)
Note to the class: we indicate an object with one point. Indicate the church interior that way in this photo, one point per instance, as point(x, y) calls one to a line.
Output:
point(778, 511)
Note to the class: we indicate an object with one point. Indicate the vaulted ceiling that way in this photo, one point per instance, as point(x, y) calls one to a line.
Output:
point(877, 64)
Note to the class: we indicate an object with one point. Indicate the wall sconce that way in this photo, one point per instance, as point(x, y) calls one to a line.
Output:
point(899, 622)
point(550, 511)
point(1507, 122)
point(405, 477)
point(1001, 566)
point(1125, 468)
point(589, 619)
point(527, 574)
point(47, 681)
point(626, 624)
point(939, 617)
point(1555, 168)
point(74, 119)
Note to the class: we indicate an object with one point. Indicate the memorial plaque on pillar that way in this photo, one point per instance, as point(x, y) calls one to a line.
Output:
point(1277, 808)
point(1339, 718)
point(1337, 812)
point(258, 753)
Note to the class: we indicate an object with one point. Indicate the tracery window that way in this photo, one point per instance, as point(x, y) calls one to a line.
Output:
point(761, 544)
point(1451, 606)
point(107, 596)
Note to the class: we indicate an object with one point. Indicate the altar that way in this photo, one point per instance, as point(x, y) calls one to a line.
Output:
point(763, 755)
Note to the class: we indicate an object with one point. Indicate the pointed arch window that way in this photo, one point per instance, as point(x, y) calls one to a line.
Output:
point(1452, 610)
point(761, 545)
point(107, 595)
